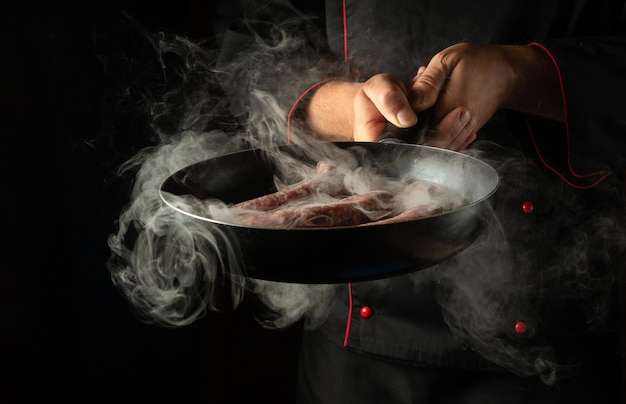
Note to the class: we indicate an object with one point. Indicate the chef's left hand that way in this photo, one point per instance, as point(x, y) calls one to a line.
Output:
point(469, 82)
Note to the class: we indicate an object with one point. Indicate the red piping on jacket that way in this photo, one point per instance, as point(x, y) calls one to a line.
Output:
point(319, 83)
point(345, 60)
point(348, 321)
point(345, 31)
point(603, 174)
point(293, 107)
point(289, 115)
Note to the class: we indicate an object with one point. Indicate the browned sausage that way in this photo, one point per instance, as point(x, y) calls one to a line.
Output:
point(325, 182)
point(278, 198)
point(350, 211)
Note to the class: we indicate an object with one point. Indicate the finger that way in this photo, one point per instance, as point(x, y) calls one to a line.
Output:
point(420, 70)
point(389, 95)
point(428, 84)
point(465, 136)
point(467, 142)
point(463, 128)
point(455, 131)
point(369, 123)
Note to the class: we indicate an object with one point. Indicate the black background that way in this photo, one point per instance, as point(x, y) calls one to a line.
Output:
point(67, 335)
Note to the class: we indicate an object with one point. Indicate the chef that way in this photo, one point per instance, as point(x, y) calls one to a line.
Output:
point(526, 315)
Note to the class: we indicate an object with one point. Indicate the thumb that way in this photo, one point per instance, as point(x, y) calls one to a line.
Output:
point(426, 86)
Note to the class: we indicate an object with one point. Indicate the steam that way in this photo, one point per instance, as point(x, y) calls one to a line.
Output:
point(557, 278)
point(173, 269)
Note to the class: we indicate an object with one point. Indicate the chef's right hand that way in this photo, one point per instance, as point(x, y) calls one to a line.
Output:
point(344, 110)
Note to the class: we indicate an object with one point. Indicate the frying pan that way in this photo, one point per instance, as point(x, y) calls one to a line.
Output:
point(340, 254)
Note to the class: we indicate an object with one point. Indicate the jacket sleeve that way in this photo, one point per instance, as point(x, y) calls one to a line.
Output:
point(593, 83)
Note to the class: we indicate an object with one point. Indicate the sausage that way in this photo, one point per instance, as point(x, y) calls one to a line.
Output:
point(326, 181)
point(349, 211)
point(291, 207)
point(416, 212)
point(419, 199)
point(278, 198)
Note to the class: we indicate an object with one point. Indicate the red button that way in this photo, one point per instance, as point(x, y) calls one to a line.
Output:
point(366, 311)
point(520, 327)
point(528, 207)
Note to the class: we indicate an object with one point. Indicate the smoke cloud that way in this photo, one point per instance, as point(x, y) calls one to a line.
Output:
point(173, 268)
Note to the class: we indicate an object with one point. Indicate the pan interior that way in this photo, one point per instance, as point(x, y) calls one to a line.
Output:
point(244, 175)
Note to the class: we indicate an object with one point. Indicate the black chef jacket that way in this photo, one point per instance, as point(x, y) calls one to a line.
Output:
point(409, 320)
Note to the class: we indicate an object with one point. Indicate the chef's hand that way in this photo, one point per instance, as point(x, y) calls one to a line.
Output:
point(361, 111)
point(470, 82)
